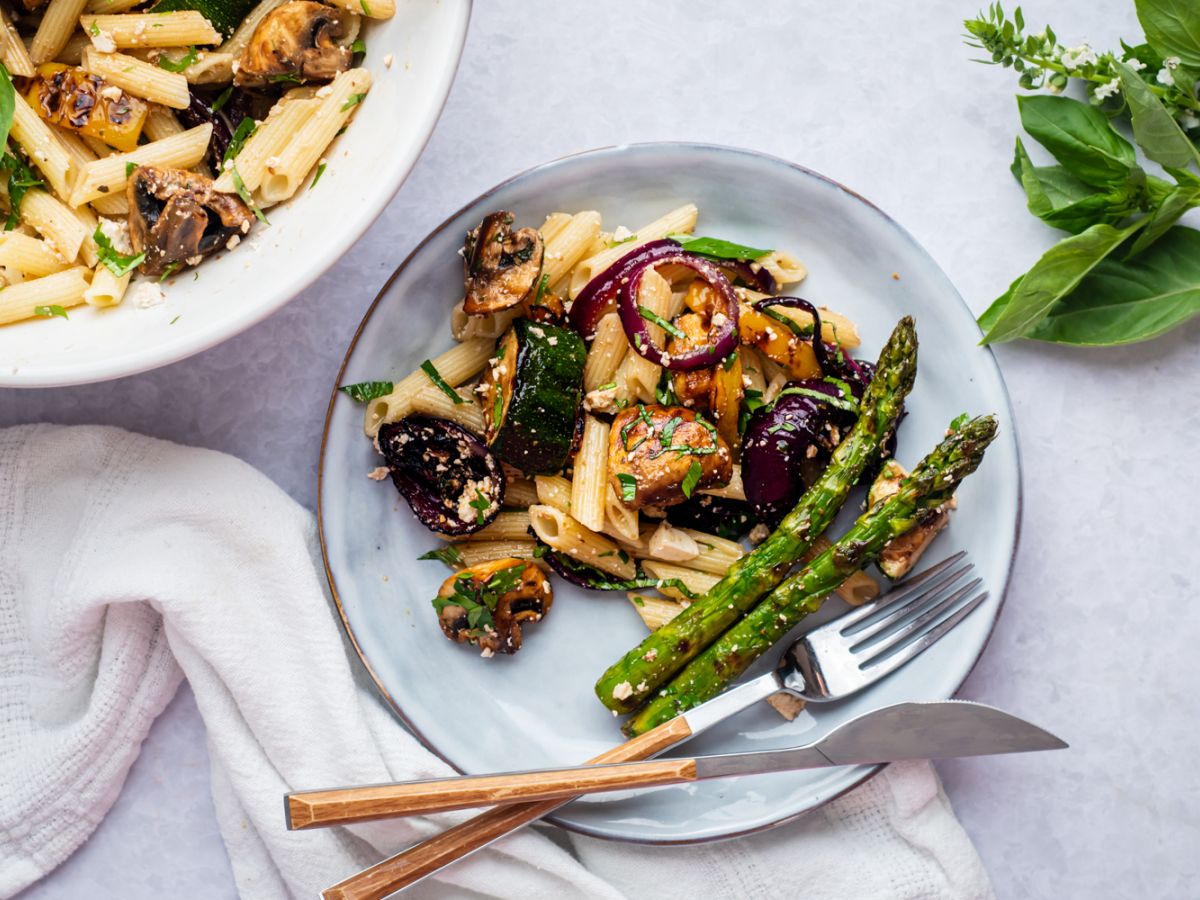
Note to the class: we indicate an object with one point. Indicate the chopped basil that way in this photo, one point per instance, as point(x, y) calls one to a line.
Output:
point(173, 321)
point(240, 187)
point(628, 487)
point(691, 479)
point(959, 421)
point(8, 105)
point(366, 9)
point(729, 361)
point(354, 100)
point(607, 387)
point(285, 78)
point(664, 393)
point(317, 177)
point(497, 408)
point(118, 263)
point(20, 179)
point(449, 554)
point(439, 382)
point(366, 391)
point(717, 248)
point(651, 316)
point(844, 403)
point(222, 98)
point(94, 29)
point(241, 134)
point(52, 310)
point(170, 270)
point(130, 167)
point(480, 504)
point(178, 65)
point(541, 288)
point(359, 46)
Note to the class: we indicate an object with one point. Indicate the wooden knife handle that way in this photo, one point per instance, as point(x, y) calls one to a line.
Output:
point(423, 859)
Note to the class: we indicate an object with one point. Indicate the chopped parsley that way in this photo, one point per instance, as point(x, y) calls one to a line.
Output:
point(439, 382)
point(20, 179)
point(317, 177)
point(130, 168)
point(543, 284)
point(94, 29)
point(664, 393)
point(366, 391)
point(359, 46)
point(479, 600)
point(240, 187)
point(120, 264)
point(8, 105)
point(651, 316)
point(48, 311)
point(170, 270)
point(607, 387)
point(178, 65)
point(480, 504)
point(691, 479)
point(354, 100)
point(241, 134)
point(222, 98)
point(628, 487)
point(449, 554)
point(729, 361)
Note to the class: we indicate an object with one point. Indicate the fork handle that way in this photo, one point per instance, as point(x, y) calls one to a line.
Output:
point(423, 859)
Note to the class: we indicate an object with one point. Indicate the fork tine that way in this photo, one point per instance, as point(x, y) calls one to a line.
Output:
point(917, 647)
point(895, 612)
point(930, 614)
point(902, 592)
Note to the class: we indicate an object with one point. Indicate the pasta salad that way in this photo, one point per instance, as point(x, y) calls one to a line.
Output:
point(141, 138)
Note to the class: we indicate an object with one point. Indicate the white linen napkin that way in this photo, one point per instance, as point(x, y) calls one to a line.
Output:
point(127, 563)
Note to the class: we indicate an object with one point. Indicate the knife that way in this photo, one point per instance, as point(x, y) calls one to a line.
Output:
point(934, 730)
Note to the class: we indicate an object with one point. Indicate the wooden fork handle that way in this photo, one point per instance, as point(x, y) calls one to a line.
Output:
point(423, 859)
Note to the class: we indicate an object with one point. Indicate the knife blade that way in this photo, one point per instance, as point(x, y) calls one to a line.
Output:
point(932, 730)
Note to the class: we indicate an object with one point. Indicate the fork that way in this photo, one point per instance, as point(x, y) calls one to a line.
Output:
point(831, 662)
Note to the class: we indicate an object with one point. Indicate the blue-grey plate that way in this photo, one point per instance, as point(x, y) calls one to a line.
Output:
point(537, 708)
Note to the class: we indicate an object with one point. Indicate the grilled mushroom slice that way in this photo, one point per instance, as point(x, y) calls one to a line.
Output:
point(661, 455)
point(501, 266)
point(487, 603)
point(177, 218)
point(298, 41)
point(903, 552)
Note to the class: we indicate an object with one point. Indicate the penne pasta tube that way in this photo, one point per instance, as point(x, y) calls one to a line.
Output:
point(373, 9)
point(29, 255)
point(456, 366)
point(311, 140)
point(717, 554)
point(562, 533)
point(168, 29)
point(56, 222)
point(507, 526)
point(642, 375)
point(696, 581)
point(608, 349)
point(567, 247)
point(42, 146)
point(139, 78)
point(554, 224)
point(433, 401)
point(519, 492)
point(210, 67)
point(55, 29)
point(82, 152)
point(262, 151)
point(161, 123)
point(108, 175)
point(619, 520)
point(72, 53)
point(784, 267)
point(474, 552)
point(112, 6)
point(555, 491)
point(492, 326)
point(679, 220)
point(735, 490)
point(655, 612)
point(13, 53)
point(62, 289)
point(589, 485)
point(106, 288)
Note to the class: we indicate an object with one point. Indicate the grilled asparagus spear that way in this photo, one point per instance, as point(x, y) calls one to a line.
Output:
point(930, 485)
point(630, 682)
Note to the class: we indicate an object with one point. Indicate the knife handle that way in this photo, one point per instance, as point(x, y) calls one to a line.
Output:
point(421, 860)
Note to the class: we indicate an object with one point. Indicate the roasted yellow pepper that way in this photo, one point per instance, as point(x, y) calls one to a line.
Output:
point(80, 101)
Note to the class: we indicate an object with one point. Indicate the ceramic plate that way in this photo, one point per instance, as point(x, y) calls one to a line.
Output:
point(233, 291)
point(537, 708)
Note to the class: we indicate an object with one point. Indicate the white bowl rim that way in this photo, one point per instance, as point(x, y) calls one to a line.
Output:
point(866, 772)
point(155, 356)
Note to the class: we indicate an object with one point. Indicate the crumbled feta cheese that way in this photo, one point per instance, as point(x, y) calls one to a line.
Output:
point(272, 163)
point(145, 294)
point(623, 691)
point(111, 92)
point(232, 242)
point(488, 653)
point(378, 473)
point(759, 533)
point(104, 42)
point(621, 234)
point(650, 655)
point(117, 232)
point(388, 60)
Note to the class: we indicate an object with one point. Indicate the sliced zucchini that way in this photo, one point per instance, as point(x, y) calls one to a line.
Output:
point(532, 396)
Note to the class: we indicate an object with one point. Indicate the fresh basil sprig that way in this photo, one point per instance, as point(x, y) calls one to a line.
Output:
point(365, 391)
point(717, 248)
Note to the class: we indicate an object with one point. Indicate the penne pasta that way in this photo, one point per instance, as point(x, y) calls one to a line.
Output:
point(561, 532)
point(374, 9)
point(507, 526)
point(261, 153)
point(606, 353)
point(474, 552)
point(589, 485)
point(619, 520)
point(210, 67)
point(112, 6)
point(491, 326)
point(568, 245)
point(555, 223)
point(655, 612)
point(13, 53)
point(717, 554)
point(82, 152)
point(72, 53)
point(161, 123)
point(56, 222)
point(519, 492)
point(313, 137)
point(106, 288)
point(642, 375)
point(108, 175)
point(55, 29)
point(41, 144)
point(555, 491)
point(139, 78)
point(456, 366)
point(29, 255)
point(433, 401)
point(167, 29)
point(784, 267)
point(679, 220)
point(696, 581)
point(62, 289)
point(735, 490)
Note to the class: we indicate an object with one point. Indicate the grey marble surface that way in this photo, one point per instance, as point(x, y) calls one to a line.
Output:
point(1098, 636)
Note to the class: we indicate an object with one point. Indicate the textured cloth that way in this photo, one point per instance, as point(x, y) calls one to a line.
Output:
point(127, 563)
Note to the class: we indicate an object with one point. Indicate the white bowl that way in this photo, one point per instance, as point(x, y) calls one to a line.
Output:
point(228, 294)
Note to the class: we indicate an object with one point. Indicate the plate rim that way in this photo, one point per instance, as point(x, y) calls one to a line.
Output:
point(75, 375)
point(863, 773)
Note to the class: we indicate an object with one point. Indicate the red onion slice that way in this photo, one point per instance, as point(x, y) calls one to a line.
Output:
point(720, 345)
point(600, 294)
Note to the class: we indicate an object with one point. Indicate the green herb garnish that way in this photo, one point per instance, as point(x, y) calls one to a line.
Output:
point(181, 64)
point(52, 310)
point(628, 487)
point(717, 248)
point(240, 187)
point(241, 134)
point(439, 382)
point(449, 554)
point(366, 391)
point(169, 270)
point(119, 264)
point(21, 178)
point(8, 105)
point(353, 101)
point(960, 420)
point(359, 46)
point(651, 316)
point(691, 479)
point(317, 177)
point(222, 98)
point(729, 361)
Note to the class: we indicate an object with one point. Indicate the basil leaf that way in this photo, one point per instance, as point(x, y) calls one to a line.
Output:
point(241, 134)
point(449, 554)
point(1079, 137)
point(717, 248)
point(178, 65)
point(1156, 131)
point(1131, 300)
point(1178, 202)
point(52, 310)
point(1062, 201)
point(366, 391)
point(8, 102)
point(628, 487)
point(691, 479)
point(1052, 277)
point(992, 313)
point(1172, 27)
point(440, 383)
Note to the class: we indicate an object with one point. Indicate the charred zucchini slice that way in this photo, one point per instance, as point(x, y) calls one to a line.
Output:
point(532, 396)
